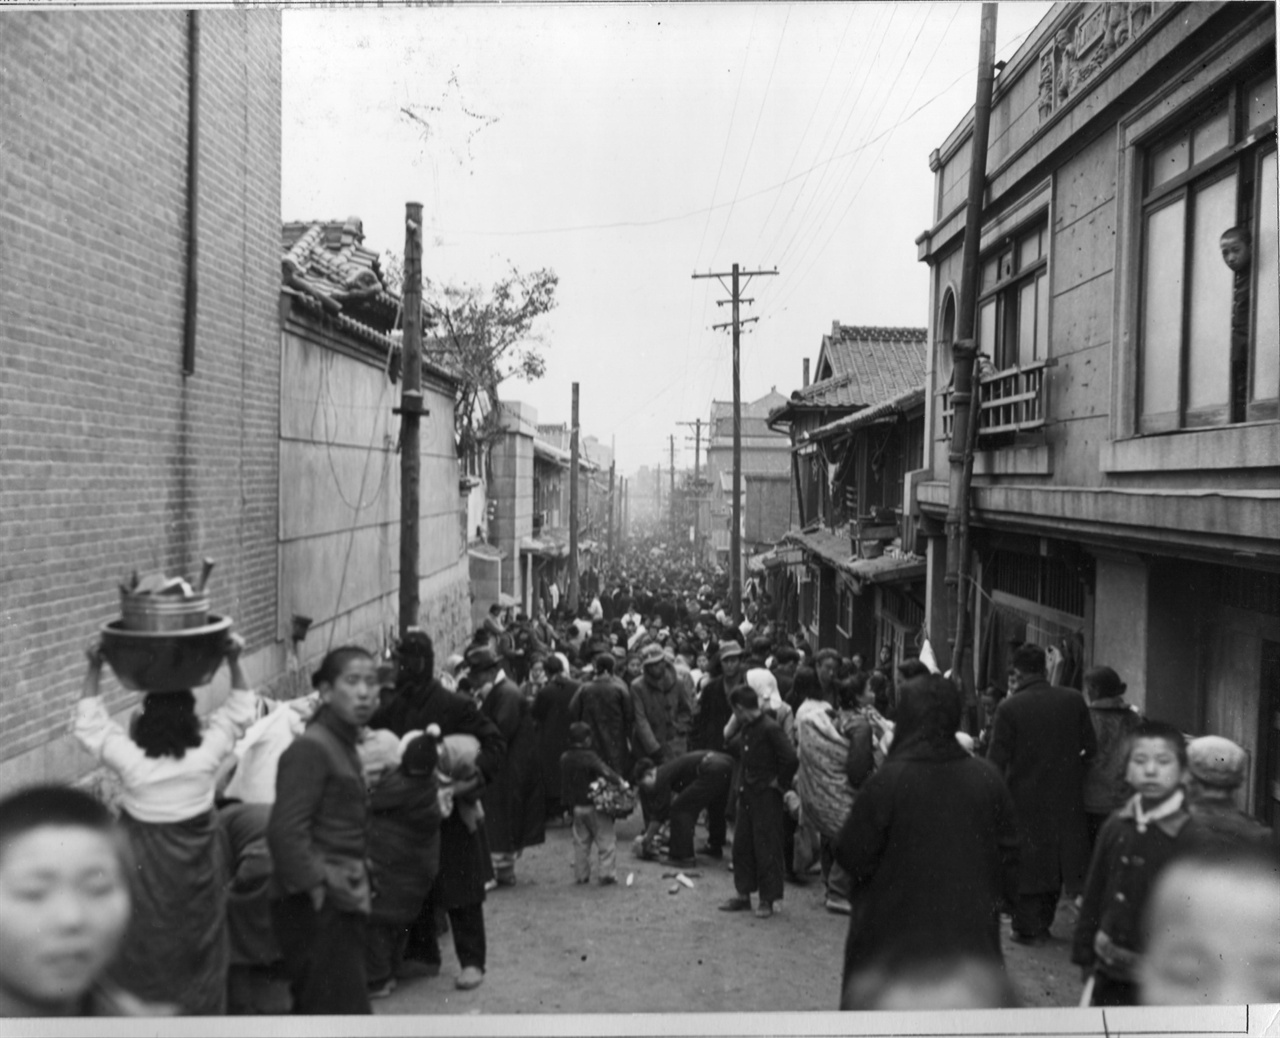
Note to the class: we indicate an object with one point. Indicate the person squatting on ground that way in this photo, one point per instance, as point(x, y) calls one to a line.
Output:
point(1135, 844)
point(176, 949)
point(319, 845)
point(64, 906)
point(675, 794)
point(580, 765)
point(767, 764)
point(931, 842)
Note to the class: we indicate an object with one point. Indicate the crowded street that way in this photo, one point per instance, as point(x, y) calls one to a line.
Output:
point(576, 511)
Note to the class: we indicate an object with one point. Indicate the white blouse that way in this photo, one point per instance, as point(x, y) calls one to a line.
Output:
point(165, 789)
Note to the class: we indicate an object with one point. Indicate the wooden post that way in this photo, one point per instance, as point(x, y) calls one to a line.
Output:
point(411, 412)
point(573, 507)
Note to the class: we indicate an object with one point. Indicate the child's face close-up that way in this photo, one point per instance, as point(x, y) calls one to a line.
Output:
point(1215, 939)
point(1154, 769)
point(64, 907)
point(353, 695)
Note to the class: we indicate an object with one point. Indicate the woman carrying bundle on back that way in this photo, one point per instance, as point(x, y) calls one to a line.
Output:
point(176, 948)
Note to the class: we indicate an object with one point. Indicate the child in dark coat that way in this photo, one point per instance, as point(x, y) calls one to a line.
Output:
point(404, 854)
point(580, 765)
point(767, 764)
point(1135, 844)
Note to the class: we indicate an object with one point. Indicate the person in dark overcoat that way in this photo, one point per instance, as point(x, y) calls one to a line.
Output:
point(404, 855)
point(551, 714)
point(459, 889)
point(713, 711)
point(931, 842)
point(604, 704)
point(514, 808)
point(1042, 741)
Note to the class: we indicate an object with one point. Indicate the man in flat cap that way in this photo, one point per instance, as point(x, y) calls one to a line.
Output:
point(1216, 767)
point(663, 700)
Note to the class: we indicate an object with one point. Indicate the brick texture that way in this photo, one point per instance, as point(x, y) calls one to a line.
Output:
point(111, 459)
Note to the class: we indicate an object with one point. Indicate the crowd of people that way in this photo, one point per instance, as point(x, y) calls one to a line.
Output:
point(404, 790)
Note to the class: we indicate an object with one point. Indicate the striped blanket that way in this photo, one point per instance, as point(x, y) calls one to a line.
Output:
point(825, 793)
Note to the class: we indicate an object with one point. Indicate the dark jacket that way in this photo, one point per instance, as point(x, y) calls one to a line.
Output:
point(1105, 788)
point(605, 706)
point(318, 832)
point(579, 767)
point(551, 714)
point(514, 809)
point(678, 775)
point(765, 755)
point(664, 715)
point(1123, 872)
point(931, 847)
point(404, 845)
point(712, 715)
point(1041, 741)
point(464, 859)
point(1218, 820)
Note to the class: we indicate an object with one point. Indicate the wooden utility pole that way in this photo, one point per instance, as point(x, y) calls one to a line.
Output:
point(410, 412)
point(672, 495)
point(735, 531)
point(612, 468)
point(697, 480)
point(573, 507)
point(657, 508)
point(964, 426)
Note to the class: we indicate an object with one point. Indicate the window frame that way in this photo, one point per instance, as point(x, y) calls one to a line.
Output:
point(1241, 157)
point(1007, 290)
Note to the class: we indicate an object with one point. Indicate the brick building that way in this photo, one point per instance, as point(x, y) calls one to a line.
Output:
point(111, 457)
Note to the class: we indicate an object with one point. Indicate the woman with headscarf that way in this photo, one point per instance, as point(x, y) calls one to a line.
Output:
point(931, 842)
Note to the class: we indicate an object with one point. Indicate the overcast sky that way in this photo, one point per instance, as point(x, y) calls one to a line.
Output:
point(627, 146)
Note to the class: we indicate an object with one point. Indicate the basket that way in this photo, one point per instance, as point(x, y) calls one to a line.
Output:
point(612, 801)
point(165, 661)
point(157, 613)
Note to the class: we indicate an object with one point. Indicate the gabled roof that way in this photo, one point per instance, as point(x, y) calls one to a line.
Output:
point(753, 409)
point(329, 271)
point(859, 365)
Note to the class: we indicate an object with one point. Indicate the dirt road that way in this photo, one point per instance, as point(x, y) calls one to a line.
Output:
point(555, 947)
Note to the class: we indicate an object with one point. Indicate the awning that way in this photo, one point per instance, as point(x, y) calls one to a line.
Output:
point(783, 555)
point(547, 549)
point(889, 569)
point(885, 409)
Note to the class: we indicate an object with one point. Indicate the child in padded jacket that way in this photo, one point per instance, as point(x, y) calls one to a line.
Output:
point(1134, 845)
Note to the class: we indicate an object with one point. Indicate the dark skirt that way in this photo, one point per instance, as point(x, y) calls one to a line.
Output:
point(176, 948)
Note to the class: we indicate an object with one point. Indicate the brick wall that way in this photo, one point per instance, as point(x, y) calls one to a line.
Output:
point(110, 459)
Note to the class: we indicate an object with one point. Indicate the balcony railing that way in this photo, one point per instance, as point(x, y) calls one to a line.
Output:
point(1012, 401)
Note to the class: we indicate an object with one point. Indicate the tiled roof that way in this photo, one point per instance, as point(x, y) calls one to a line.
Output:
point(328, 270)
point(750, 409)
point(867, 365)
point(900, 404)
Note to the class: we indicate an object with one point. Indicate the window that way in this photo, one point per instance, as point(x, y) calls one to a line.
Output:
point(1210, 320)
point(1013, 307)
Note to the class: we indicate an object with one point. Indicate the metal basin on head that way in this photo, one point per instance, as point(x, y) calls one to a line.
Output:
point(165, 661)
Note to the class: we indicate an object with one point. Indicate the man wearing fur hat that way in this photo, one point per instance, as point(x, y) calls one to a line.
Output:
point(663, 701)
point(1216, 768)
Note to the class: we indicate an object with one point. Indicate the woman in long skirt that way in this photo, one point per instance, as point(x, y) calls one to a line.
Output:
point(176, 948)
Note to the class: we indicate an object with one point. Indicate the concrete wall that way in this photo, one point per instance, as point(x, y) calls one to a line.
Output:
point(111, 459)
point(1120, 621)
point(340, 501)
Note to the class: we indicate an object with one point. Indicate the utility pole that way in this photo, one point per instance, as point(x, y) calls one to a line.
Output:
point(612, 468)
point(697, 480)
point(672, 495)
point(625, 531)
point(657, 508)
point(735, 531)
point(410, 412)
point(964, 426)
point(573, 507)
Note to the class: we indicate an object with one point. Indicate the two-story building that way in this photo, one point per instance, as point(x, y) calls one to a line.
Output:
point(846, 574)
point(1126, 490)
